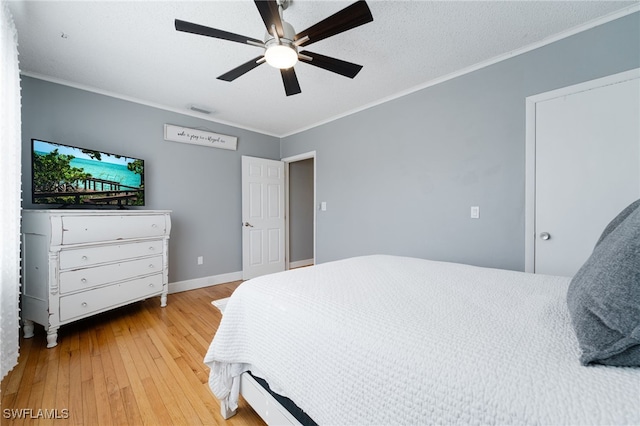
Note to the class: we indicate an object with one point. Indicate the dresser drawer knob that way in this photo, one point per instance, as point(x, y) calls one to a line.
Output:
point(84, 304)
point(154, 226)
point(151, 248)
point(151, 266)
point(83, 280)
point(85, 258)
point(150, 284)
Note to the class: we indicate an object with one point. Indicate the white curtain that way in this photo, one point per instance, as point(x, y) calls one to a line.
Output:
point(10, 176)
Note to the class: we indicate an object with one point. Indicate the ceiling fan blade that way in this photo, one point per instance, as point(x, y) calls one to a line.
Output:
point(189, 27)
point(242, 69)
point(270, 14)
point(291, 85)
point(350, 17)
point(347, 69)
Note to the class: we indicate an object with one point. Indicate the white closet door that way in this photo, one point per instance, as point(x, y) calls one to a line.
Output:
point(587, 169)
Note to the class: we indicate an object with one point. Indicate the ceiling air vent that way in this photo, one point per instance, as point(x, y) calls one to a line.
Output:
point(199, 109)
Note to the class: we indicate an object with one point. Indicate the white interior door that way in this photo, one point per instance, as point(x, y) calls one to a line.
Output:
point(587, 169)
point(263, 243)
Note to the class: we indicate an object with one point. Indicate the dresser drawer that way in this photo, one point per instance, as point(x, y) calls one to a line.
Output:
point(99, 299)
point(86, 229)
point(81, 257)
point(80, 279)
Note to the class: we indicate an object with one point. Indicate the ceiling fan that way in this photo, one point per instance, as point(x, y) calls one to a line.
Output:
point(281, 43)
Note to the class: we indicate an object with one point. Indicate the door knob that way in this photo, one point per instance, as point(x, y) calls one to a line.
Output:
point(545, 235)
point(248, 224)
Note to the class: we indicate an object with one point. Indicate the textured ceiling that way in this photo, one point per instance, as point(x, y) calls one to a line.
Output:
point(131, 49)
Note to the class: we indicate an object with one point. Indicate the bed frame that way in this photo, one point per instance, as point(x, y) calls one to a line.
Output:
point(267, 407)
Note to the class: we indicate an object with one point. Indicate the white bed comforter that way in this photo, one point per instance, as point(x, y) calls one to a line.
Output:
point(393, 340)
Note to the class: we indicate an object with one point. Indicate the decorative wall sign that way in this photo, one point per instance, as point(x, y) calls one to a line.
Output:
point(199, 137)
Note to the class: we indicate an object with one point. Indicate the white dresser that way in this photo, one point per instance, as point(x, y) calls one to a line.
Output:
point(77, 263)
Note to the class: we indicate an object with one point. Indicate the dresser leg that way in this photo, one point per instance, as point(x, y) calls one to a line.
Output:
point(28, 328)
point(163, 299)
point(52, 337)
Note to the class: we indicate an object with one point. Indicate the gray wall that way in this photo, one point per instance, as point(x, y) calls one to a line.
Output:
point(201, 185)
point(301, 209)
point(397, 178)
point(401, 177)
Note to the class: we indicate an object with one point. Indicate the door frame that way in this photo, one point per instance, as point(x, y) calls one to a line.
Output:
point(530, 151)
point(287, 161)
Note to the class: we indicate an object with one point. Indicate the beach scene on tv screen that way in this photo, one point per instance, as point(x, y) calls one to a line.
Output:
point(69, 175)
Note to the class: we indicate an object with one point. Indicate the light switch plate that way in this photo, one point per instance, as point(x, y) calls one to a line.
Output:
point(475, 212)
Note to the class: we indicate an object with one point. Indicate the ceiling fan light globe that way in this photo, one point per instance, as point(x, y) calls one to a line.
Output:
point(281, 56)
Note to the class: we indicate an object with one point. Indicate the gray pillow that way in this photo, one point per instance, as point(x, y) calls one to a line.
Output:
point(618, 219)
point(604, 295)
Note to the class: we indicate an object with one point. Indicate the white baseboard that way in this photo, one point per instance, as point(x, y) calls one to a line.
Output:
point(204, 282)
point(179, 286)
point(301, 263)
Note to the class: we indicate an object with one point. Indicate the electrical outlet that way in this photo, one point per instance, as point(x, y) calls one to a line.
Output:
point(200, 260)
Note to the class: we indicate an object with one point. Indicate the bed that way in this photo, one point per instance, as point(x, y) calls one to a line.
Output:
point(397, 340)
point(382, 340)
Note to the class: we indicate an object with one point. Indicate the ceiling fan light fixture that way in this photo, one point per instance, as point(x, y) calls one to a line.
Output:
point(281, 42)
point(281, 56)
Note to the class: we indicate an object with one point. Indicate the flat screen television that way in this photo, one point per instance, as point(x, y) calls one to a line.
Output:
point(74, 176)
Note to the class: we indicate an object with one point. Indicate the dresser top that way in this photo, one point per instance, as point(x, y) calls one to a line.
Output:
point(94, 212)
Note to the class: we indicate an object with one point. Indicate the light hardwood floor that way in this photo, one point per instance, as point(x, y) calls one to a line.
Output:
point(136, 365)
